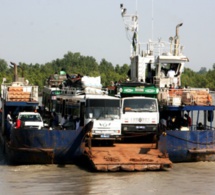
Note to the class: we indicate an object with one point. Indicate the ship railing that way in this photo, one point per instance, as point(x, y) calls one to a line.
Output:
point(85, 90)
point(160, 48)
point(162, 82)
point(17, 91)
point(55, 80)
point(202, 127)
point(71, 91)
point(34, 94)
point(185, 96)
point(166, 81)
point(193, 128)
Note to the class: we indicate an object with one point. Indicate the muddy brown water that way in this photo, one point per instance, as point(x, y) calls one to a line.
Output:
point(183, 178)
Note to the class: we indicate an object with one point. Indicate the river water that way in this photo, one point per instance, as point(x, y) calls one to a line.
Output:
point(184, 178)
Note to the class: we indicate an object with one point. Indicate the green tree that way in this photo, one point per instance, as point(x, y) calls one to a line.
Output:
point(106, 69)
point(3, 66)
point(4, 70)
point(203, 70)
point(75, 63)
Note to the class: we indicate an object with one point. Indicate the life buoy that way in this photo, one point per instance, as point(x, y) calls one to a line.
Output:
point(210, 116)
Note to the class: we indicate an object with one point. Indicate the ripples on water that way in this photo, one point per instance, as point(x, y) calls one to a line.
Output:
point(184, 178)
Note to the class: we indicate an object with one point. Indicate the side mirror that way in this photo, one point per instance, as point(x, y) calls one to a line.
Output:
point(124, 110)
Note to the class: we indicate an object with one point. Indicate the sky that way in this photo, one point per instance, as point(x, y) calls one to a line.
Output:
point(40, 31)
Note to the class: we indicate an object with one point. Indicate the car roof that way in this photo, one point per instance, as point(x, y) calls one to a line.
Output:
point(29, 113)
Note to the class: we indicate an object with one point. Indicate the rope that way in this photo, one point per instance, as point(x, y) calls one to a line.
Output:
point(194, 142)
point(133, 136)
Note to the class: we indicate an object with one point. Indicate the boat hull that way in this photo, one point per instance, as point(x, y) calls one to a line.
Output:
point(188, 146)
point(45, 146)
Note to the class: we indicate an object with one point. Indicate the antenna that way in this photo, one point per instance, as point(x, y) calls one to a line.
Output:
point(152, 20)
point(136, 6)
point(131, 27)
point(123, 10)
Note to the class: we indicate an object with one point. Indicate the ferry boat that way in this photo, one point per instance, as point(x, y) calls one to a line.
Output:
point(182, 135)
point(28, 144)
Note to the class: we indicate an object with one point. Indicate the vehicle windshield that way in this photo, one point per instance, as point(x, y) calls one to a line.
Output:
point(139, 105)
point(103, 109)
point(30, 118)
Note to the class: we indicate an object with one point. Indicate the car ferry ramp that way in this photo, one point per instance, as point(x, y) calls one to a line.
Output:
point(127, 157)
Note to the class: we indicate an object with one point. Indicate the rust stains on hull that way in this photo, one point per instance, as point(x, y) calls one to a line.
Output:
point(127, 157)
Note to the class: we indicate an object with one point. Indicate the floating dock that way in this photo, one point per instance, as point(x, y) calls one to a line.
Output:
point(127, 157)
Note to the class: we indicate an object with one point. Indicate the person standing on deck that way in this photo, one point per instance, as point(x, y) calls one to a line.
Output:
point(55, 120)
point(172, 75)
point(189, 120)
point(63, 119)
point(9, 118)
point(8, 125)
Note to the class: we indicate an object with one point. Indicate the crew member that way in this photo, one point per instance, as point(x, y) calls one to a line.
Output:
point(189, 120)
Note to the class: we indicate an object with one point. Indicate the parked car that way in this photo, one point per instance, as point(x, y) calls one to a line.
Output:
point(29, 120)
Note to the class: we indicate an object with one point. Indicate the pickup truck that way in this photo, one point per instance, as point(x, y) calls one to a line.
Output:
point(29, 120)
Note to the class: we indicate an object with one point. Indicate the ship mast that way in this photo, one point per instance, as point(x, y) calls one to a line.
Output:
point(131, 27)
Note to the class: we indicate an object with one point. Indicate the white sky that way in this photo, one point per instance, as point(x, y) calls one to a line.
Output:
point(39, 31)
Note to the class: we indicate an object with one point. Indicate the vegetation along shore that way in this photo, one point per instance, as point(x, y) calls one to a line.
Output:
point(87, 65)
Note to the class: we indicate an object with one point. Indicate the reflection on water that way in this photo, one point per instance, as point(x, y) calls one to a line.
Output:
point(184, 178)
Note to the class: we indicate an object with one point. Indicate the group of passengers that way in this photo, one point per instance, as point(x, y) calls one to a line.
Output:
point(63, 122)
point(176, 122)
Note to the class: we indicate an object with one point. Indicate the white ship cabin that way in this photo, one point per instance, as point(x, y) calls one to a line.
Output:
point(153, 64)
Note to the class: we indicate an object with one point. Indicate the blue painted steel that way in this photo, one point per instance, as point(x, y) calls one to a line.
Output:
point(190, 108)
point(28, 146)
point(46, 146)
point(178, 143)
point(21, 104)
point(192, 145)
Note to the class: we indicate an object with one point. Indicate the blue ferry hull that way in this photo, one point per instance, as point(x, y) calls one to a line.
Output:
point(188, 146)
point(45, 146)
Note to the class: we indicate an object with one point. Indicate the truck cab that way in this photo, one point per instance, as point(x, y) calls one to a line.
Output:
point(140, 115)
